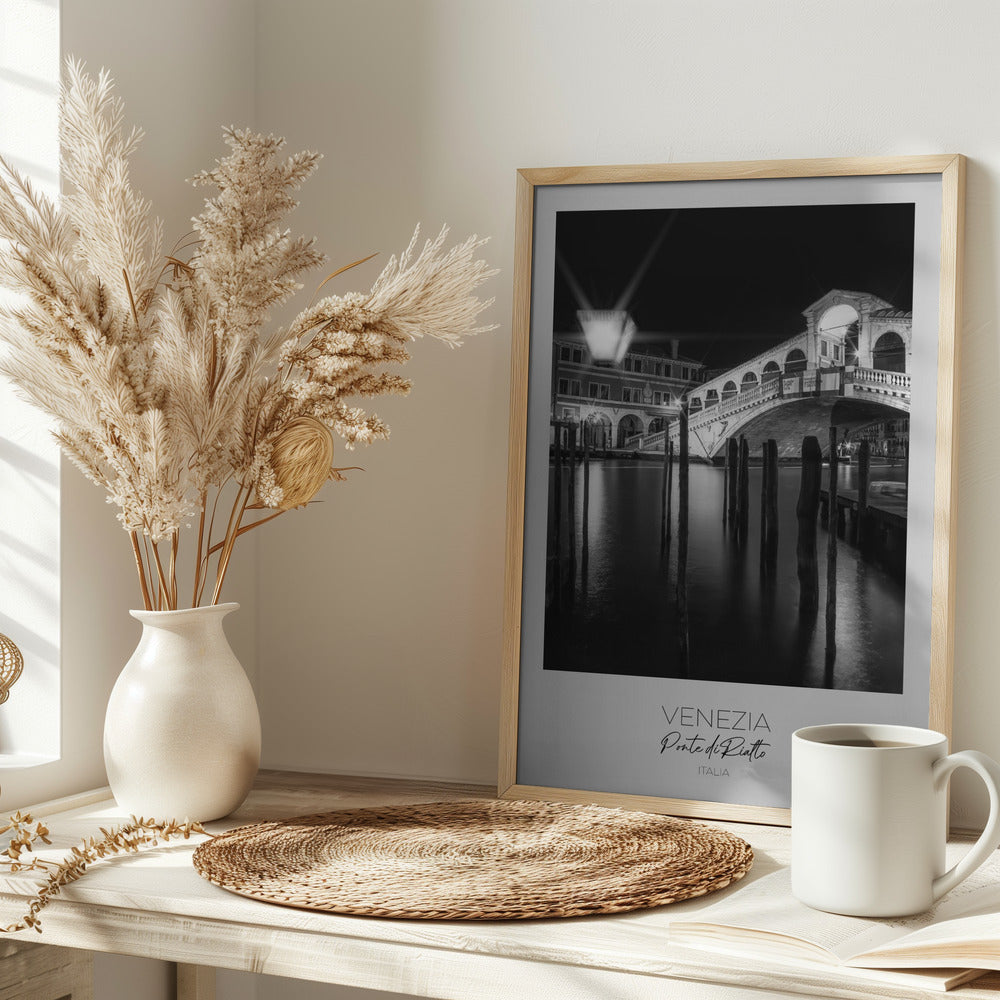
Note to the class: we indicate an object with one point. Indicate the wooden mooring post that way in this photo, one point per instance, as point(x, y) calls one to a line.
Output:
point(725, 487)
point(557, 488)
point(771, 503)
point(763, 499)
point(743, 491)
point(864, 472)
point(670, 492)
point(571, 498)
point(665, 494)
point(806, 512)
point(732, 476)
point(586, 432)
point(831, 562)
point(682, 543)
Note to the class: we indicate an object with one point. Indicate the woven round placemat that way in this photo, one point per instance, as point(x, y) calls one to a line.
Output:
point(476, 860)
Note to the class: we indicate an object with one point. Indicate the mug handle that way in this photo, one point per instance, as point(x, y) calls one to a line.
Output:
point(989, 839)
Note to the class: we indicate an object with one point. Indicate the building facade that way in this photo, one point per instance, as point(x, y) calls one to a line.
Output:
point(619, 401)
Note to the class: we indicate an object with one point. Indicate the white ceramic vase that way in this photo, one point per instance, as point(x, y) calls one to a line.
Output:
point(182, 731)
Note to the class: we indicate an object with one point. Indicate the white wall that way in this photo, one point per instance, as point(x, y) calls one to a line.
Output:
point(381, 608)
point(381, 612)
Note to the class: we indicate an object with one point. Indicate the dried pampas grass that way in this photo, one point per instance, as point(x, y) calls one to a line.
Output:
point(163, 388)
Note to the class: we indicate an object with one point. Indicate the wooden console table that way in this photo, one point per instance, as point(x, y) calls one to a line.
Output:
point(156, 905)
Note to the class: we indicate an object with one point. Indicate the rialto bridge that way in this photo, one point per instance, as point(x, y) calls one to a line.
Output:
point(849, 367)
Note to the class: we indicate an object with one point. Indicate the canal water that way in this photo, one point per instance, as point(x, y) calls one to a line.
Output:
point(615, 612)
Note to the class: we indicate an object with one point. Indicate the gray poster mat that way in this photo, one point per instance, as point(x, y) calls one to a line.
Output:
point(602, 732)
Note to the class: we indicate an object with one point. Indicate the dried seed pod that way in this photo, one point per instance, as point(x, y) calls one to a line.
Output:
point(11, 664)
point(301, 456)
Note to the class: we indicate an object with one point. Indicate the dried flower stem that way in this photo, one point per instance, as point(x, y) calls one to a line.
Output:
point(211, 525)
point(340, 271)
point(232, 533)
point(149, 570)
point(162, 588)
point(248, 527)
point(201, 539)
point(174, 542)
point(141, 569)
point(131, 297)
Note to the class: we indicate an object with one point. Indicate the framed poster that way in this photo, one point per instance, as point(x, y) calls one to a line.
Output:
point(731, 475)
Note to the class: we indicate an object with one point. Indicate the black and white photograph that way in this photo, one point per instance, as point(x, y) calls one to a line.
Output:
point(729, 444)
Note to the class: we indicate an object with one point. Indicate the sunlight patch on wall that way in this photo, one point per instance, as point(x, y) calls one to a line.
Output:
point(29, 458)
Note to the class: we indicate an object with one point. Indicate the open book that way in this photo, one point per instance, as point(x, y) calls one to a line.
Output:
point(956, 940)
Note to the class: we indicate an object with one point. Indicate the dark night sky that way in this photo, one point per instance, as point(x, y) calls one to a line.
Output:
point(731, 282)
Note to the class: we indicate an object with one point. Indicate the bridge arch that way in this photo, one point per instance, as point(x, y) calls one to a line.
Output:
point(772, 370)
point(837, 334)
point(795, 361)
point(852, 344)
point(889, 352)
point(729, 390)
point(711, 398)
point(749, 381)
point(837, 320)
point(656, 424)
point(628, 426)
point(789, 420)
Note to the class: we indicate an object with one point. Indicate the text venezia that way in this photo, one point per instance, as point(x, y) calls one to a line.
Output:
point(719, 745)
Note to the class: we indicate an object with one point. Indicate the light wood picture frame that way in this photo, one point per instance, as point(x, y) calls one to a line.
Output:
point(689, 577)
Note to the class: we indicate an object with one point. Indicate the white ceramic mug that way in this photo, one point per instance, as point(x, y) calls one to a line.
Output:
point(869, 818)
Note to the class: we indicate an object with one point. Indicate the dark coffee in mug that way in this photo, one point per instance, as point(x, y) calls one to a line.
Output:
point(867, 743)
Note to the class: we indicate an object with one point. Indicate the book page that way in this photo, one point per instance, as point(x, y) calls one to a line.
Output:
point(768, 905)
point(972, 941)
point(979, 893)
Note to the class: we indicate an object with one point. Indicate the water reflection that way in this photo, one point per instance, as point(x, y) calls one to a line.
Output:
point(745, 625)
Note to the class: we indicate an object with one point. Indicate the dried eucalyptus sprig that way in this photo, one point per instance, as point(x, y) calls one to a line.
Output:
point(23, 839)
point(127, 839)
